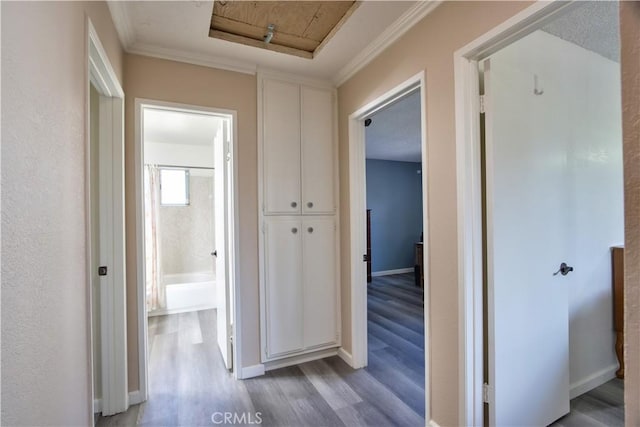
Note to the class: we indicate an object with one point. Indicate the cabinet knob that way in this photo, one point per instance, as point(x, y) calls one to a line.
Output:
point(310, 229)
point(294, 204)
point(294, 230)
point(310, 204)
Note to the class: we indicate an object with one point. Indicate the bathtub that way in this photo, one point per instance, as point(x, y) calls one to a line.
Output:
point(188, 292)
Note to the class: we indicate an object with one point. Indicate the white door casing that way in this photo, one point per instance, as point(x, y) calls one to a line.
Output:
point(527, 239)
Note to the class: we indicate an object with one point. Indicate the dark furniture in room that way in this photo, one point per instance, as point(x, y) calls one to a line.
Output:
point(617, 270)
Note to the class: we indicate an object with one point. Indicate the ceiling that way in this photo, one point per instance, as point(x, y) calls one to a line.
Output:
point(593, 25)
point(300, 28)
point(179, 30)
point(176, 127)
point(394, 132)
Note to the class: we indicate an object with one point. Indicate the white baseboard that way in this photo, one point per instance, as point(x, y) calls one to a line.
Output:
point(390, 272)
point(251, 371)
point(135, 397)
point(97, 406)
point(295, 360)
point(433, 424)
point(592, 381)
point(346, 356)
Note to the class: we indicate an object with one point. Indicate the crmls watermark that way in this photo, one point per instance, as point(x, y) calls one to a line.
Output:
point(236, 418)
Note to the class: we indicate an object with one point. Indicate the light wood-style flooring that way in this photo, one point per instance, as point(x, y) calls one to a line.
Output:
point(188, 383)
point(600, 407)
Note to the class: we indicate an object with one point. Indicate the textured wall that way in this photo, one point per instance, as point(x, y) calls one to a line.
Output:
point(164, 80)
point(630, 65)
point(394, 195)
point(186, 232)
point(428, 46)
point(46, 325)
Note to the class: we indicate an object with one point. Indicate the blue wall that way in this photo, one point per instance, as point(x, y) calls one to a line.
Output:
point(394, 195)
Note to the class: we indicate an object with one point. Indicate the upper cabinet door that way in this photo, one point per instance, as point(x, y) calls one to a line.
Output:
point(317, 151)
point(281, 147)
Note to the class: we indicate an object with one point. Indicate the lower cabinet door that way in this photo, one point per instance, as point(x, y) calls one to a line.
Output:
point(283, 286)
point(320, 290)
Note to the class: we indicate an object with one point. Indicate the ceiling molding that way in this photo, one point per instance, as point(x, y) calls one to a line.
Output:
point(194, 58)
point(396, 30)
point(121, 21)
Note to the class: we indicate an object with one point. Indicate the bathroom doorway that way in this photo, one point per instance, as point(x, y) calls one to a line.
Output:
point(186, 234)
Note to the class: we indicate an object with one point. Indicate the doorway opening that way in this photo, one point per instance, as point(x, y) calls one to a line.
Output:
point(389, 290)
point(187, 222)
point(553, 216)
point(395, 273)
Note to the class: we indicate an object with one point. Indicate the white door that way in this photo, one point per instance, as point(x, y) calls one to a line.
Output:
point(281, 147)
point(221, 198)
point(317, 151)
point(527, 185)
point(319, 269)
point(283, 285)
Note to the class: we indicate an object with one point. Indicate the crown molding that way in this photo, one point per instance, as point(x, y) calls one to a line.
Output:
point(194, 58)
point(396, 30)
point(121, 21)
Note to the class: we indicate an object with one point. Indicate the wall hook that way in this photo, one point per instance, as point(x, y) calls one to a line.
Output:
point(536, 87)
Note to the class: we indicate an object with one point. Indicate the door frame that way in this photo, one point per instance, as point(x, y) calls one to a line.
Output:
point(113, 320)
point(358, 226)
point(232, 247)
point(469, 195)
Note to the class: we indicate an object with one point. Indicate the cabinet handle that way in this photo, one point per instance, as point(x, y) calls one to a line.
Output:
point(294, 230)
point(294, 204)
point(310, 204)
point(310, 229)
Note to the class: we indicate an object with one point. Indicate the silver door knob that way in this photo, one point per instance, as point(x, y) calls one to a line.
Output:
point(310, 204)
point(310, 229)
point(294, 230)
point(294, 204)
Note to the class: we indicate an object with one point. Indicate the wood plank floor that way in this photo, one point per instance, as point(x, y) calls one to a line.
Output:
point(188, 383)
point(602, 406)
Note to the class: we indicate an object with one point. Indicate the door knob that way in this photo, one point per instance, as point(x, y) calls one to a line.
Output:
point(294, 230)
point(310, 204)
point(214, 253)
point(294, 204)
point(564, 269)
point(310, 229)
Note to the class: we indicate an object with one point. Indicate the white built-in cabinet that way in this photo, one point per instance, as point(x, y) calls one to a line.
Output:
point(299, 278)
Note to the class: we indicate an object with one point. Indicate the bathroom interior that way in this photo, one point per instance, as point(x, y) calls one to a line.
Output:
point(180, 266)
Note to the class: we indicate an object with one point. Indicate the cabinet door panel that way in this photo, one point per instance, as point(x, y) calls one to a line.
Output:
point(281, 147)
point(319, 267)
point(317, 151)
point(284, 293)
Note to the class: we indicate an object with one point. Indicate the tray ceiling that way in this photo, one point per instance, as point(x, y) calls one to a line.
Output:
point(300, 28)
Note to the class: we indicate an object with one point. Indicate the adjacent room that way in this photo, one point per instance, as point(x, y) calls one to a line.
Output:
point(554, 221)
point(395, 273)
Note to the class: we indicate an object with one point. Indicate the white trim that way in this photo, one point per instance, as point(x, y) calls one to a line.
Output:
point(357, 242)
point(113, 333)
point(390, 272)
point(303, 358)
point(392, 33)
point(592, 381)
point(433, 424)
point(195, 58)
point(97, 406)
point(121, 21)
point(346, 356)
point(252, 371)
point(469, 203)
point(135, 397)
point(271, 74)
point(142, 324)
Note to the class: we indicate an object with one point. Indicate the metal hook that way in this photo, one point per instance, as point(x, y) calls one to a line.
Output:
point(536, 89)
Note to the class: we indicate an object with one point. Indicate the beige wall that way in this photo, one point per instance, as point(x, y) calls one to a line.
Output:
point(46, 372)
point(191, 84)
point(429, 46)
point(630, 67)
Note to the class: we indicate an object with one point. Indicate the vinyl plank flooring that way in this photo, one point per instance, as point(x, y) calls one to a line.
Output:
point(602, 406)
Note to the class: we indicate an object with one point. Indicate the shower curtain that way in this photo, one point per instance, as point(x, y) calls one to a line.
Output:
point(155, 287)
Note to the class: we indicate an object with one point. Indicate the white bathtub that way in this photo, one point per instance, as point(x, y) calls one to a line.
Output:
point(188, 292)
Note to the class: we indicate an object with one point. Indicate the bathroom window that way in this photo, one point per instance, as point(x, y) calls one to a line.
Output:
point(174, 187)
